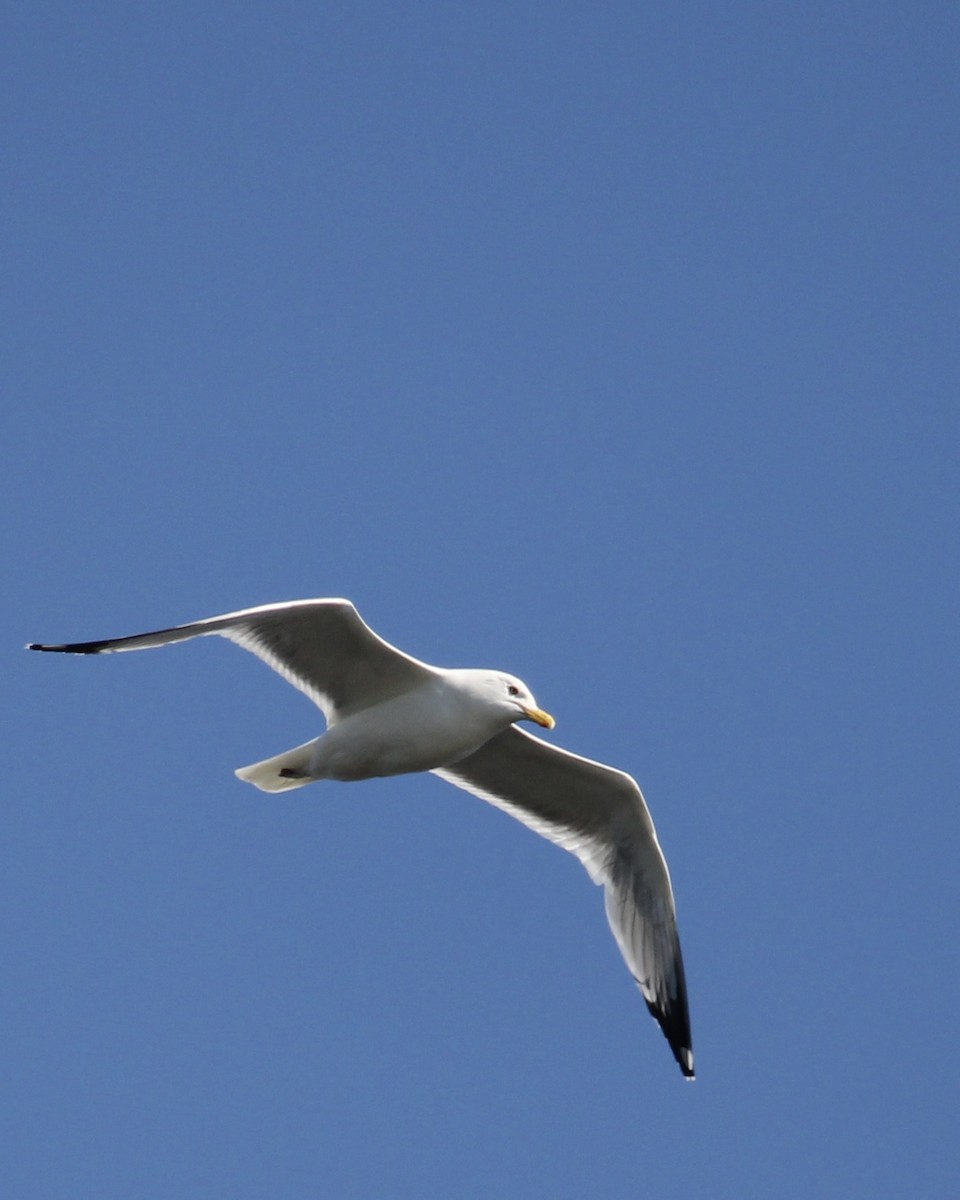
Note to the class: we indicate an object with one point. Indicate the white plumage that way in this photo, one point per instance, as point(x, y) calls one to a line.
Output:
point(390, 714)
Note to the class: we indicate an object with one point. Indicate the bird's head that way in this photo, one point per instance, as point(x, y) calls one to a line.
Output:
point(513, 698)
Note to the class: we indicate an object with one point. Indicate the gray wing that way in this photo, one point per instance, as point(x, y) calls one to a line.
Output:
point(598, 814)
point(322, 647)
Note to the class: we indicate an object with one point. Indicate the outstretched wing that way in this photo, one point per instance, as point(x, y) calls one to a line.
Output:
point(322, 647)
point(598, 814)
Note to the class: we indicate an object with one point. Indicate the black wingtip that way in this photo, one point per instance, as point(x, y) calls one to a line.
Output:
point(674, 1021)
point(684, 1056)
point(74, 648)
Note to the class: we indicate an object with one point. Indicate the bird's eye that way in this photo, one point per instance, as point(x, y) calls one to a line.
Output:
point(513, 690)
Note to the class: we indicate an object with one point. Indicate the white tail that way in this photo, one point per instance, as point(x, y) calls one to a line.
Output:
point(282, 772)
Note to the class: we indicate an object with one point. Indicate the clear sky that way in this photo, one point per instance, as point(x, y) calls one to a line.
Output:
point(612, 345)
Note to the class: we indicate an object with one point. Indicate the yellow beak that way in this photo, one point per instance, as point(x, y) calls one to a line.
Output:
point(541, 717)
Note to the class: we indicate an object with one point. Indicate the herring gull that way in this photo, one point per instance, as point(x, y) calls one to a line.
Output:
point(389, 714)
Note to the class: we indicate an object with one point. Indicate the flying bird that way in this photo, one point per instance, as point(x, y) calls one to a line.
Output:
point(390, 714)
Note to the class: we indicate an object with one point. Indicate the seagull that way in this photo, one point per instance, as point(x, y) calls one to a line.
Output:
point(390, 714)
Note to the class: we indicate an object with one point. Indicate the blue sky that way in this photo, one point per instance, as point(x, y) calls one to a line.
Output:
point(613, 346)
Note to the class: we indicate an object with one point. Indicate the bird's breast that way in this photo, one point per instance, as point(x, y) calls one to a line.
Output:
point(418, 731)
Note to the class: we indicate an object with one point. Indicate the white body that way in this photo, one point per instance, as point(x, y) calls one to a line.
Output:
point(377, 740)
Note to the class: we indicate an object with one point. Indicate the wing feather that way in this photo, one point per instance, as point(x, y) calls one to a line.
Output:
point(599, 814)
point(322, 647)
